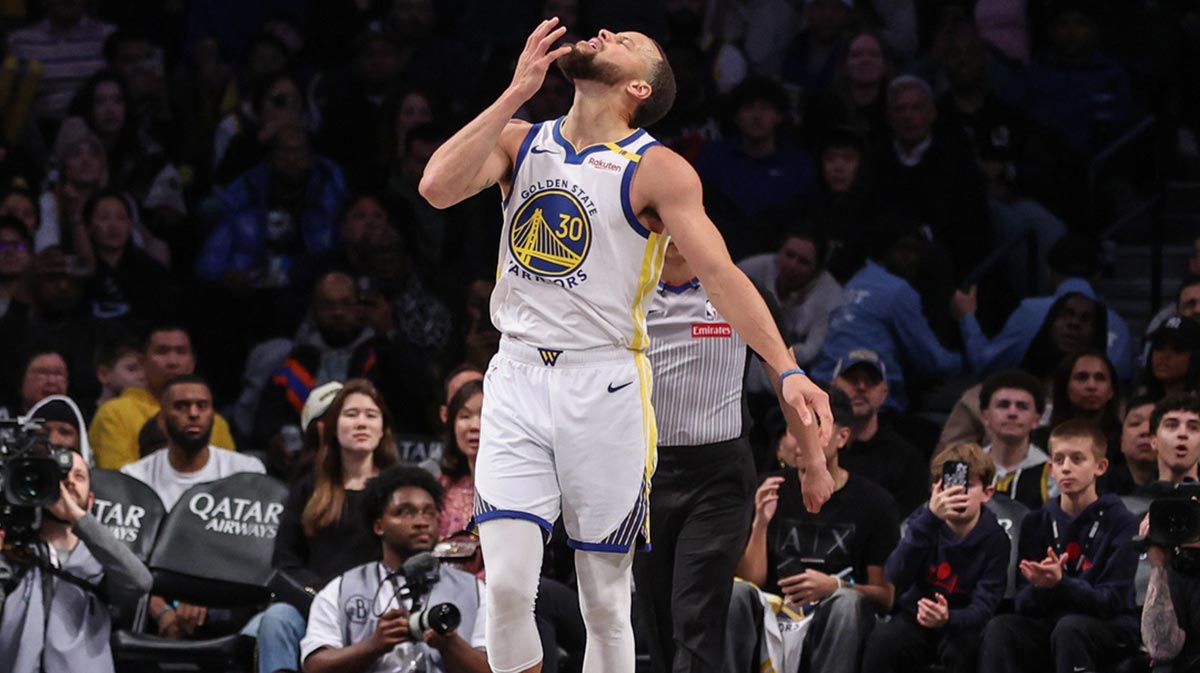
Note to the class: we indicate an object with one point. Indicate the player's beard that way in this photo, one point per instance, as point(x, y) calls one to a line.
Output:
point(582, 65)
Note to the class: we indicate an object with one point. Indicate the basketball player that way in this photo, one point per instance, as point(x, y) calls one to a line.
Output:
point(589, 201)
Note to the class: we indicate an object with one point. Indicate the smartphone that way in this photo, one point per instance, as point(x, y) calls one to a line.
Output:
point(789, 567)
point(955, 473)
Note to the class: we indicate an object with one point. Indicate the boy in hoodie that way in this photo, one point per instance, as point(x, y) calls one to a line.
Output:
point(1075, 605)
point(949, 570)
point(62, 423)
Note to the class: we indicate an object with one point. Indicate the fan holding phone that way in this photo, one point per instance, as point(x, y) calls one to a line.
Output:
point(949, 571)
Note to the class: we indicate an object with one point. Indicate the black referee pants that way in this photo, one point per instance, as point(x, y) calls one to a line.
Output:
point(701, 505)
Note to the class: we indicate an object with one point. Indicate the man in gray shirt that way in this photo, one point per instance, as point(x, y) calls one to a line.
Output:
point(796, 278)
point(52, 622)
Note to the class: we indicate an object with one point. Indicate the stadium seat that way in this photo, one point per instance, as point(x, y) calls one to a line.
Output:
point(214, 549)
point(1010, 513)
point(130, 509)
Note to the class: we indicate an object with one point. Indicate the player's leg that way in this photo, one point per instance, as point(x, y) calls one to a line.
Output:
point(605, 597)
point(604, 454)
point(516, 501)
point(512, 551)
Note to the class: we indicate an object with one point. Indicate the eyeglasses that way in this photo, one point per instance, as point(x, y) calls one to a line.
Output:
point(6, 246)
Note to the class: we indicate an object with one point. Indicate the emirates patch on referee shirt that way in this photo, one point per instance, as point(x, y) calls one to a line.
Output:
point(712, 330)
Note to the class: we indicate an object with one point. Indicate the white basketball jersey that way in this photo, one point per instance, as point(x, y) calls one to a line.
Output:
point(576, 269)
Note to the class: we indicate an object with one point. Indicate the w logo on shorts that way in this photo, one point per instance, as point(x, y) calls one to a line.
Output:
point(549, 357)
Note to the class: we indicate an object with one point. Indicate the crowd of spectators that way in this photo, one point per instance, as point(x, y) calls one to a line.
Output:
point(214, 258)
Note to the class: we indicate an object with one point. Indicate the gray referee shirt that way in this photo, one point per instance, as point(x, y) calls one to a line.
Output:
point(699, 363)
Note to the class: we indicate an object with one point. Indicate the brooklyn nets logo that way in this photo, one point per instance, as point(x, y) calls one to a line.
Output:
point(551, 234)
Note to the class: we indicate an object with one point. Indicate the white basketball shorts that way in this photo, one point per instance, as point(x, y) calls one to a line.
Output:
point(571, 433)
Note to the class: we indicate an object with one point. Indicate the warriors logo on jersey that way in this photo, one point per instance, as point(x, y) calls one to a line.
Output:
point(550, 234)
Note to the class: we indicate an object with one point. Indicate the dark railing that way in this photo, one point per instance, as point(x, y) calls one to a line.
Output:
point(985, 266)
point(1152, 206)
point(1101, 159)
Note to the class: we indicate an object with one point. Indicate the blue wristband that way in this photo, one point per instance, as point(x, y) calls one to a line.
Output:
point(794, 370)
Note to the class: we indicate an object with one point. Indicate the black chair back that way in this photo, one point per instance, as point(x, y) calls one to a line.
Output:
point(1010, 513)
point(130, 509)
point(220, 534)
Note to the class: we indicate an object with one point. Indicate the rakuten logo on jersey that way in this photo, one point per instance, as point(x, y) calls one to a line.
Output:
point(603, 165)
point(712, 330)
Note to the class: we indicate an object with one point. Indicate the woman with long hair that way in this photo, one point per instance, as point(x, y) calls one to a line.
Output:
point(1085, 387)
point(136, 162)
point(322, 530)
point(856, 100)
point(459, 450)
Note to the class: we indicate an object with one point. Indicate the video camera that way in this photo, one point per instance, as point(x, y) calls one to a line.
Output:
point(1175, 522)
point(30, 472)
point(420, 574)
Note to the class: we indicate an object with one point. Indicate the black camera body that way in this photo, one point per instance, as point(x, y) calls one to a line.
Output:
point(1175, 523)
point(420, 573)
point(30, 472)
point(1175, 517)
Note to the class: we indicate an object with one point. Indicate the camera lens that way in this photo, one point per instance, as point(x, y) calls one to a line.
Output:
point(32, 482)
point(442, 618)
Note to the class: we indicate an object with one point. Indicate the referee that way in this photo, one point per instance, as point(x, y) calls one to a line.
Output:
point(702, 499)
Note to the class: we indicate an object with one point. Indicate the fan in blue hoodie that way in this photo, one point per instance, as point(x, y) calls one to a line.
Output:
point(949, 570)
point(1076, 605)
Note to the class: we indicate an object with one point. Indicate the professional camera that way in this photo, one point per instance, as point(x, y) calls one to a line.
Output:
point(1175, 516)
point(420, 574)
point(1175, 522)
point(30, 472)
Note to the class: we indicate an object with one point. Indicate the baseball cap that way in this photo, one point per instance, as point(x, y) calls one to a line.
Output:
point(1180, 330)
point(860, 356)
point(318, 402)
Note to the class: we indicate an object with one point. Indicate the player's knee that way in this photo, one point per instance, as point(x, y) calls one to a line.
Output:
point(510, 593)
point(607, 617)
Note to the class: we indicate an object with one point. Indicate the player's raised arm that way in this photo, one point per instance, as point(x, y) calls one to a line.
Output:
point(668, 186)
point(481, 153)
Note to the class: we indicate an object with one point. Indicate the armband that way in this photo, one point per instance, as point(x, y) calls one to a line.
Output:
point(794, 370)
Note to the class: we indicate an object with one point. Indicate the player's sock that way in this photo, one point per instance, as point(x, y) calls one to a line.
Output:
point(512, 551)
point(605, 596)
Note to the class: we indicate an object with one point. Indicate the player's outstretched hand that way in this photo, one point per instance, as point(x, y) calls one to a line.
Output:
point(535, 59)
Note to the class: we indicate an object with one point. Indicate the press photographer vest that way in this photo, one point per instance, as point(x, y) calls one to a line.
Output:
point(360, 598)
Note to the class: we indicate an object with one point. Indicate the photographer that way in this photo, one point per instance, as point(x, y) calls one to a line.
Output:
point(360, 621)
point(1171, 614)
point(55, 618)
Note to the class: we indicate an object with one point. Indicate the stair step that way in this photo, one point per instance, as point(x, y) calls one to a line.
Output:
point(1133, 261)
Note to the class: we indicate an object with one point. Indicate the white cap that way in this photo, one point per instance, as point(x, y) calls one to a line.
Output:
point(318, 402)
